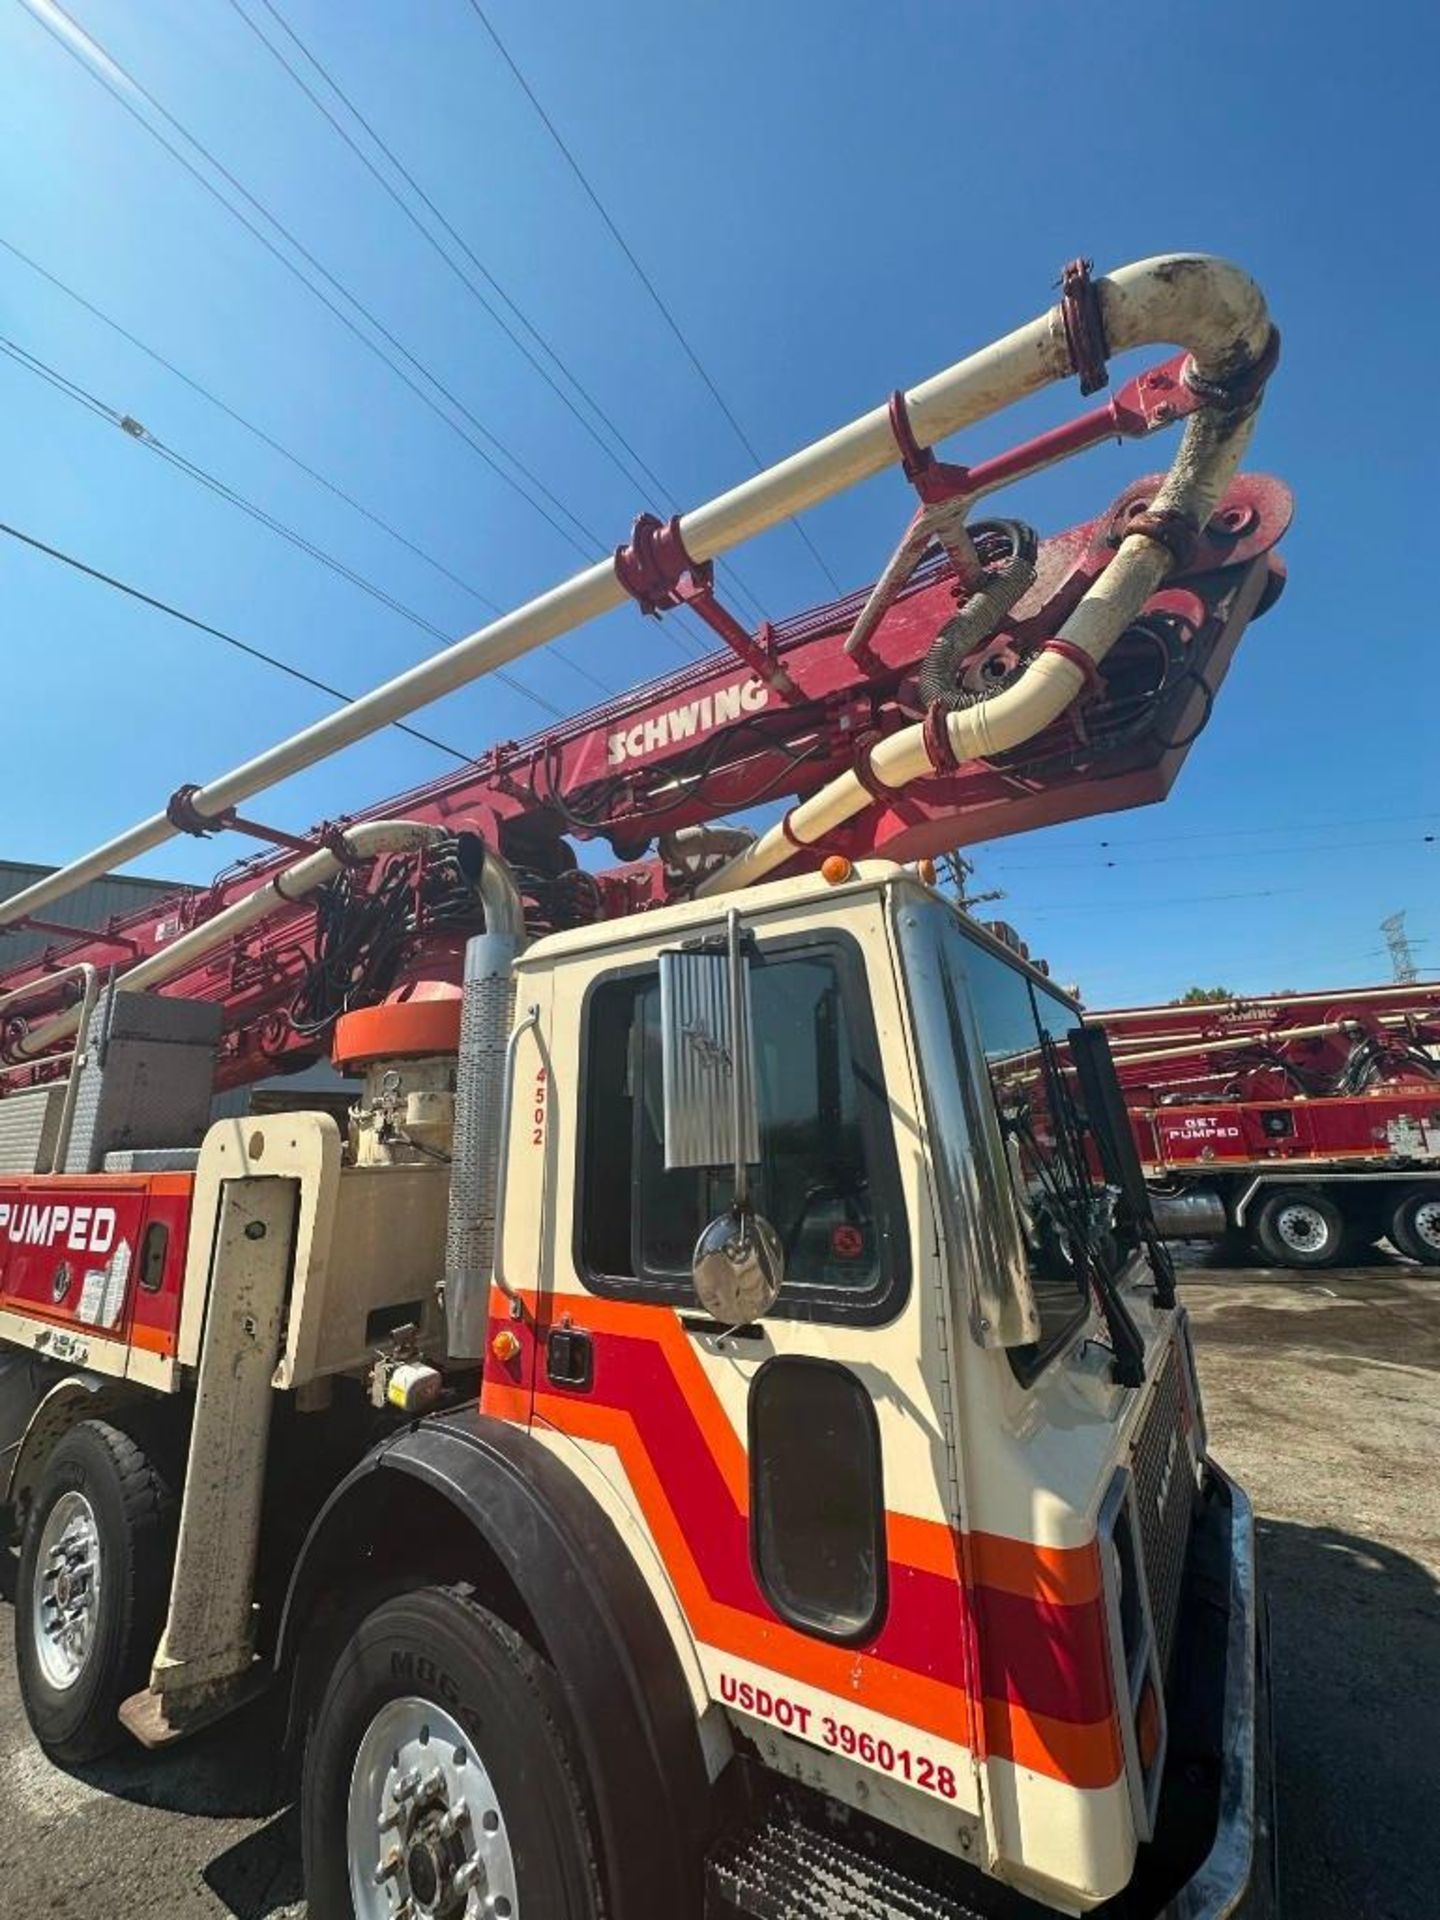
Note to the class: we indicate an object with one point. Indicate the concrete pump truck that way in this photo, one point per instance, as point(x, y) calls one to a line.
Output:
point(713, 1432)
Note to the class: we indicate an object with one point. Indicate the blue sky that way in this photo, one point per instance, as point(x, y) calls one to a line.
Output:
point(834, 200)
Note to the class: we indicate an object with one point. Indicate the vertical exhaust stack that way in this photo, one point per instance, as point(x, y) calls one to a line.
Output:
point(487, 1010)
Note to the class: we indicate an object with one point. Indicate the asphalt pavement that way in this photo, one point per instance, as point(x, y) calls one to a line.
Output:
point(1323, 1397)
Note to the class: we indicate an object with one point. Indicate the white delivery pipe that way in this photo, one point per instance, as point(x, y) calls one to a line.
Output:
point(1424, 990)
point(294, 883)
point(1205, 463)
point(1203, 303)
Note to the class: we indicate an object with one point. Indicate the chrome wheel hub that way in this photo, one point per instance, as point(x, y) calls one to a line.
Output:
point(67, 1590)
point(1302, 1228)
point(426, 1836)
point(1427, 1225)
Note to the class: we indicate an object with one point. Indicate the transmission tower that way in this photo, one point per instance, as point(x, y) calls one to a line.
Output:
point(1402, 956)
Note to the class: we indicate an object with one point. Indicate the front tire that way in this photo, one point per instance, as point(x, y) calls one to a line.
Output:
point(1300, 1227)
point(1414, 1224)
point(440, 1764)
point(92, 1588)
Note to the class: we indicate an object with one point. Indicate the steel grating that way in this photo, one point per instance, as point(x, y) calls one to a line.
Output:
point(788, 1870)
point(1164, 1494)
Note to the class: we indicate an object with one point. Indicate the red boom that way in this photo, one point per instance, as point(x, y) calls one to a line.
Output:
point(774, 716)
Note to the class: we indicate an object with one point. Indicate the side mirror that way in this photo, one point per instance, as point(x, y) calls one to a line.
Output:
point(738, 1268)
point(710, 1115)
point(711, 1119)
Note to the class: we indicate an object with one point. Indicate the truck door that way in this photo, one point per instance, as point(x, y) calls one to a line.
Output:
point(796, 1474)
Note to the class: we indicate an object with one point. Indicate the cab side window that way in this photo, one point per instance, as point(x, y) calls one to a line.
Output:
point(826, 1180)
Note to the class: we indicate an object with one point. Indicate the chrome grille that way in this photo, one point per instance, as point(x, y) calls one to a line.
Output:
point(1164, 1495)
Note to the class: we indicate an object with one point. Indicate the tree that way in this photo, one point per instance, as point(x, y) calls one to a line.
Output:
point(1201, 996)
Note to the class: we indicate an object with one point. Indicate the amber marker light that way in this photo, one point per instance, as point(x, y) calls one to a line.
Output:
point(836, 869)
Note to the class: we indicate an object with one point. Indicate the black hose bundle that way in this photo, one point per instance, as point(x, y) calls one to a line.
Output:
point(1376, 1058)
point(359, 935)
point(361, 932)
point(1008, 549)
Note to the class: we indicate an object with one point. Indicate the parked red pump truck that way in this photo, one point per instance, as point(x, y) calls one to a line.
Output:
point(1305, 1124)
point(716, 1433)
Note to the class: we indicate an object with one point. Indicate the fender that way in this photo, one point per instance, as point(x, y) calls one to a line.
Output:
point(591, 1607)
point(39, 1403)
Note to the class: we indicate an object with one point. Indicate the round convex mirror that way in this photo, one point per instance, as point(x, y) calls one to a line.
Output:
point(738, 1267)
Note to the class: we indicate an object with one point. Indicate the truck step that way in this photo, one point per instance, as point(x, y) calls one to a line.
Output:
point(789, 1869)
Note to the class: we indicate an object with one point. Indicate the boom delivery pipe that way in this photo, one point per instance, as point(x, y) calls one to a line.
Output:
point(362, 842)
point(1191, 300)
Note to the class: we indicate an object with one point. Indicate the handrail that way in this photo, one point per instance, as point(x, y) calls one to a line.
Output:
point(502, 1157)
point(75, 1058)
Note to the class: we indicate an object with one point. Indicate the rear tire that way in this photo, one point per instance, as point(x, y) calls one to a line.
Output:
point(92, 1588)
point(1300, 1227)
point(1414, 1224)
point(440, 1720)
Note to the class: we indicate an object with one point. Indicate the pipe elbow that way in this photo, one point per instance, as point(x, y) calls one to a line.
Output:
point(1207, 305)
point(500, 896)
point(1010, 718)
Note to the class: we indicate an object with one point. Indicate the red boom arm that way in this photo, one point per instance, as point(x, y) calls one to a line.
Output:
point(773, 716)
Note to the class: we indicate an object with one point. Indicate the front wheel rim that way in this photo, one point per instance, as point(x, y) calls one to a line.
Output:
point(66, 1591)
point(1302, 1229)
point(1426, 1223)
point(425, 1832)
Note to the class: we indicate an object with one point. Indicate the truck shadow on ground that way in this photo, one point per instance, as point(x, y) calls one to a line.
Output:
point(233, 1771)
point(1356, 1668)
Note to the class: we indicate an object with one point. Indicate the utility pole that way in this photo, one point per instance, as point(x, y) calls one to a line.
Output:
point(958, 873)
point(1402, 955)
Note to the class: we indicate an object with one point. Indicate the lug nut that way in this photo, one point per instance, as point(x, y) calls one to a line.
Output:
point(388, 1867)
point(469, 1874)
point(433, 1785)
point(453, 1817)
point(408, 1785)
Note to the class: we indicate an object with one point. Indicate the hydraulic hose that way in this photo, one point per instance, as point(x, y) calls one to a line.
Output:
point(1002, 587)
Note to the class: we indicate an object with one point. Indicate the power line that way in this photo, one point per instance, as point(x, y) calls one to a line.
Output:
point(286, 453)
point(1144, 904)
point(135, 430)
point(647, 476)
point(103, 79)
point(1239, 833)
point(649, 285)
point(218, 633)
point(1328, 849)
point(277, 446)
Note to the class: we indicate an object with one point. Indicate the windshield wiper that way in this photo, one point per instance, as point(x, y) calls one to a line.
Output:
point(1109, 1122)
point(1126, 1342)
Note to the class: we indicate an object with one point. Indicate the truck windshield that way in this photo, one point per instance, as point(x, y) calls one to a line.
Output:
point(1021, 1130)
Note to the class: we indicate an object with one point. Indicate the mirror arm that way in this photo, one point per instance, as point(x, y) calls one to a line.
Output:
point(740, 1062)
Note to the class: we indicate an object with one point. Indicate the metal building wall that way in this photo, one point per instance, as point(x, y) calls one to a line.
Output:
point(89, 906)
